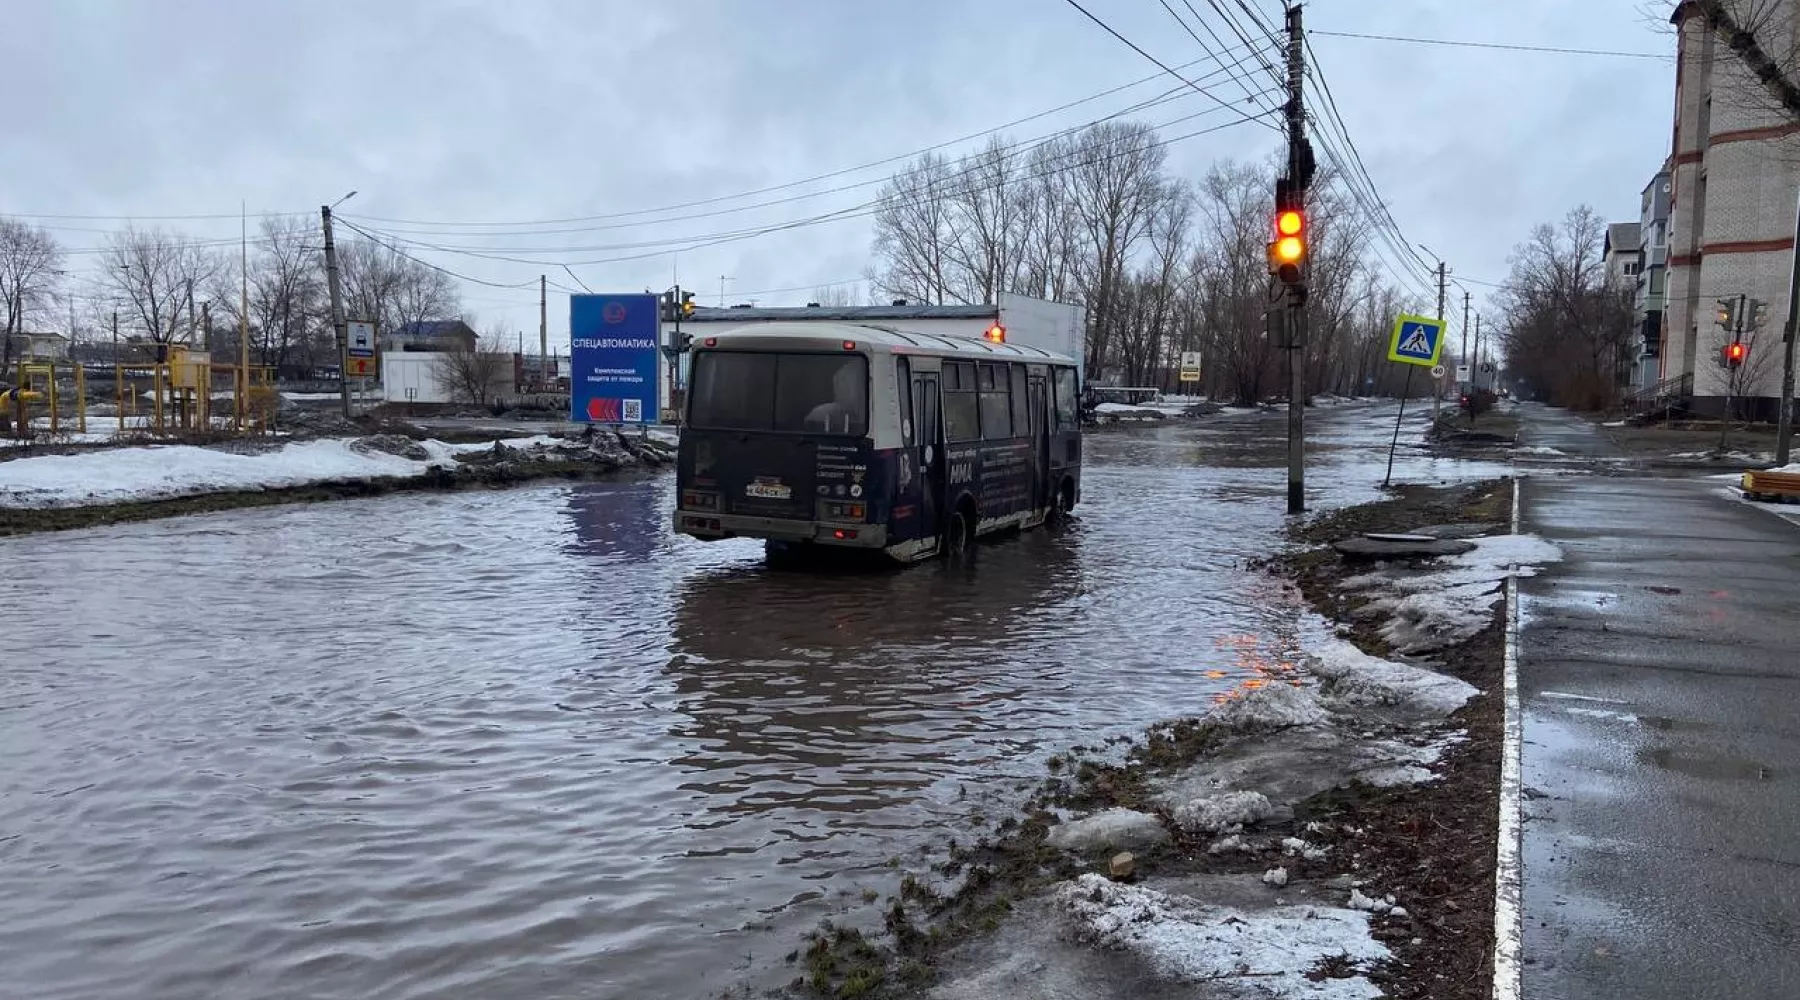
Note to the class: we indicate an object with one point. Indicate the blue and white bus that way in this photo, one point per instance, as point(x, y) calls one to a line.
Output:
point(865, 437)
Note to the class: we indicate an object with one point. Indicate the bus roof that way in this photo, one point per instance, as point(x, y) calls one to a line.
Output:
point(883, 339)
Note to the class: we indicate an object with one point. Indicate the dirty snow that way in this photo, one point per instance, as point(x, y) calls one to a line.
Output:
point(1454, 598)
point(1354, 678)
point(1110, 827)
point(1276, 877)
point(1272, 706)
point(1294, 847)
point(1224, 813)
point(1187, 940)
point(157, 472)
point(1539, 449)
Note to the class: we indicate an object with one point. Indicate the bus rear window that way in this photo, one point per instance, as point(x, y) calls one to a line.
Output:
point(786, 393)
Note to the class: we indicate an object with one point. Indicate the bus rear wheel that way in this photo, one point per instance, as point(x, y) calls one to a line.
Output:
point(959, 533)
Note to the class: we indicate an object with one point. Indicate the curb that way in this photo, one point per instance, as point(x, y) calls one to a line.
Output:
point(1508, 878)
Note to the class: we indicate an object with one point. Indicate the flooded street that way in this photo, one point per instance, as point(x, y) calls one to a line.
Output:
point(531, 744)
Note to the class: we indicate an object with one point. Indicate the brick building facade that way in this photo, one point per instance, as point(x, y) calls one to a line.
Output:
point(1736, 176)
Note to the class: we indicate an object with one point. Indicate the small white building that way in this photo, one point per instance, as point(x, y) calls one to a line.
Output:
point(414, 377)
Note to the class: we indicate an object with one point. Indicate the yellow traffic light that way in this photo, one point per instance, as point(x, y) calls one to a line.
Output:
point(1289, 223)
point(1289, 249)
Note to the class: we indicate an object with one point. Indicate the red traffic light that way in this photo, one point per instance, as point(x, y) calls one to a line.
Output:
point(1736, 351)
point(1289, 223)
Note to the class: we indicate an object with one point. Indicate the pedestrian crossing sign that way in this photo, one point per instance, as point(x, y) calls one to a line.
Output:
point(1418, 340)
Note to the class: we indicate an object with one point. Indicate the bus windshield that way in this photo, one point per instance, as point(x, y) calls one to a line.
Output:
point(785, 393)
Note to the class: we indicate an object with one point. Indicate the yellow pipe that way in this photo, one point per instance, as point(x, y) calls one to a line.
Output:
point(80, 398)
point(55, 425)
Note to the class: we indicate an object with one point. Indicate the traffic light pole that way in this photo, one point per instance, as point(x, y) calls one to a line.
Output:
point(1784, 428)
point(1296, 294)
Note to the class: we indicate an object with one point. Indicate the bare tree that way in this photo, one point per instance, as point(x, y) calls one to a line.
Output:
point(1567, 334)
point(392, 289)
point(914, 228)
point(836, 296)
point(30, 264)
point(288, 321)
point(156, 272)
point(1760, 34)
point(475, 373)
point(1115, 183)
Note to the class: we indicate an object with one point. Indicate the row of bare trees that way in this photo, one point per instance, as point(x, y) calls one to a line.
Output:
point(168, 288)
point(1568, 334)
point(1163, 265)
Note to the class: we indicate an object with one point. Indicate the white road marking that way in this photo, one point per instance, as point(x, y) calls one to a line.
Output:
point(1509, 928)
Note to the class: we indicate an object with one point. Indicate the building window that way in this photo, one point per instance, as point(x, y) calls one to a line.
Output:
point(1632, 267)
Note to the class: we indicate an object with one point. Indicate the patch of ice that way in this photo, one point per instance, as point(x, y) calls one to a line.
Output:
point(1276, 877)
point(1110, 827)
point(1186, 940)
point(1295, 847)
point(1272, 706)
point(1613, 423)
point(1353, 678)
point(1539, 449)
point(1222, 813)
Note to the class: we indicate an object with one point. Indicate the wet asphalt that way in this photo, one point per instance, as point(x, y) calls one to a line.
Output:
point(1660, 682)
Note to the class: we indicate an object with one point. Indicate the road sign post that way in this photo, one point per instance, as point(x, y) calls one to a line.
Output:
point(1417, 342)
point(359, 351)
point(1190, 366)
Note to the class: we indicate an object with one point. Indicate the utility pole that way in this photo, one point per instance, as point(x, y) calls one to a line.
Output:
point(543, 333)
point(337, 311)
point(722, 280)
point(1437, 384)
point(206, 326)
point(243, 395)
point(1475, 364)
point(190, 305)
point(1299, 175)
point(1463, 354)
point(1784, 428)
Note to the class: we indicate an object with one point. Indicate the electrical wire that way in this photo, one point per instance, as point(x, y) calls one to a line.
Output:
point(1241, 81)
point(1165, 67)
point(1494, 45)
point(479, 281)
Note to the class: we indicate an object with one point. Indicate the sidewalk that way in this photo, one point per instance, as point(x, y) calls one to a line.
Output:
point(1660, 682)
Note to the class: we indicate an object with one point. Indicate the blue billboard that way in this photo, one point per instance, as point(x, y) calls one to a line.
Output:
point(613, 358)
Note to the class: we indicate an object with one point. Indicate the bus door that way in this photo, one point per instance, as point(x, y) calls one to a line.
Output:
point(930, 444)
point(1039, 417)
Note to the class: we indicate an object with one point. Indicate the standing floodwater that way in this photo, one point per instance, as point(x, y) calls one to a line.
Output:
point(530, 744)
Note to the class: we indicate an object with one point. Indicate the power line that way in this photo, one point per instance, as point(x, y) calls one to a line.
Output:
point(1242, 81)
point(1165, 67)
point(701, 242)
point(859, 168)
point(1495, 45)
point(963, 171)
point(479, 281)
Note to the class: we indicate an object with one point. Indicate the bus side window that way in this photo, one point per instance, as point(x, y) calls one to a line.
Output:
point(903, 380)
point(962, 417)
point(1021, 404)
point(996, 403)
point(1068, 413)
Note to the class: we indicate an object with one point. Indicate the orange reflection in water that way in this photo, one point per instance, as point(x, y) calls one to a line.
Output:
point(1255, 665)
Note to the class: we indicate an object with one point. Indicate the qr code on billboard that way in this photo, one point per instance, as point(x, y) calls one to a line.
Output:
point(634, 411)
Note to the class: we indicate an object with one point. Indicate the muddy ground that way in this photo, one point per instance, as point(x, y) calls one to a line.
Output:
point(978, 905)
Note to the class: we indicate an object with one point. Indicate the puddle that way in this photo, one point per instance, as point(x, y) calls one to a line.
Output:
point(1710, 768)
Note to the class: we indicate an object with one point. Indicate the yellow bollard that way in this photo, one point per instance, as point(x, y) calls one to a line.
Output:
point(55, 421)
point(80, 398)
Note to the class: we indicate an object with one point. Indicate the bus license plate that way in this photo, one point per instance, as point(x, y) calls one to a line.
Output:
point(769, 491)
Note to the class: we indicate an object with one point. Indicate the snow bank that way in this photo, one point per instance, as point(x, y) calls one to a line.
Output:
point(160, 472)
point(1225, 813)
point(1354, 679)
point(1455, 598)
point(1272, 706)
point(1539, 449)
point(1184, 939)
point(1109, 827)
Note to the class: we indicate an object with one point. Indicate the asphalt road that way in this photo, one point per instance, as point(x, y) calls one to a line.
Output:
point(1660, 678)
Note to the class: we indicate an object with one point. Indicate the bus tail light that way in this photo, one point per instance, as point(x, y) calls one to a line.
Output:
point(699, 500)
point(844, 534)
point(849, 345)
point(711, 341)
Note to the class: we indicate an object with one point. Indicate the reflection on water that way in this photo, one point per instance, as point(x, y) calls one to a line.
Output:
point(532, 744)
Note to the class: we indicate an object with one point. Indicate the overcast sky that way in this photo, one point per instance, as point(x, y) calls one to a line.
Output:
point(440, 112)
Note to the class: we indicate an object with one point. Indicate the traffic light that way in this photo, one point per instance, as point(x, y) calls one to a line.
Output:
point(1754, 319)
point(1727, 317)
point(685, 343)
point(667, 307)
point(1287, 254)
point(687, 304)
point(1735, 353)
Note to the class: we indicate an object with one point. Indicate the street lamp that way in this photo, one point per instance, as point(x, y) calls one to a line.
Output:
point(345, 198)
